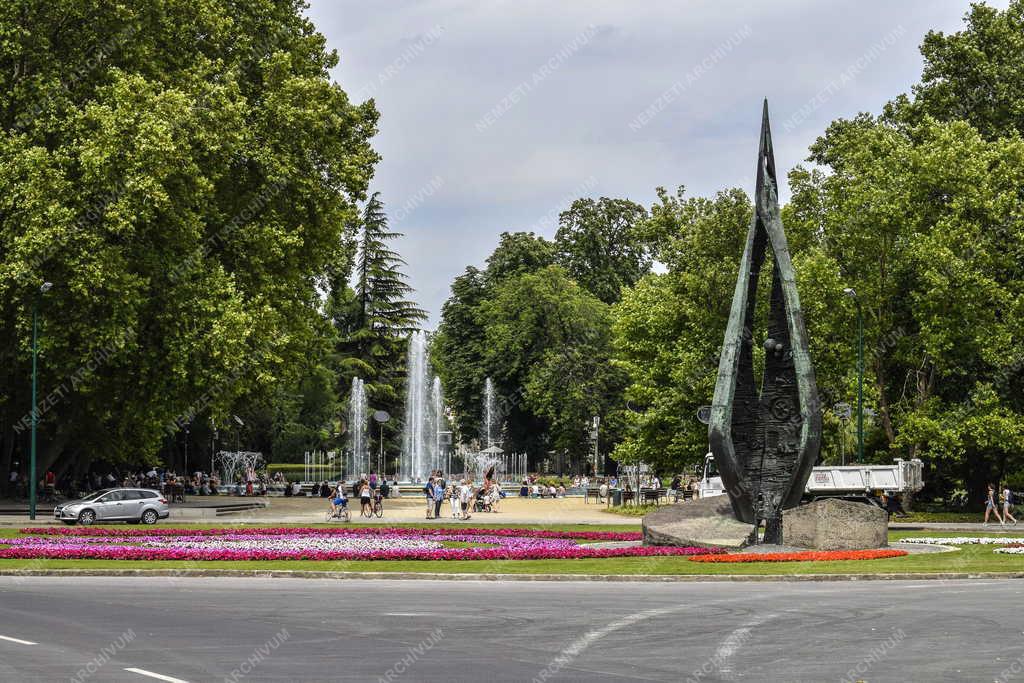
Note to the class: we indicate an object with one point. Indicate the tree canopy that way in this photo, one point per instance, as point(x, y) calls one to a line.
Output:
point(182, 173)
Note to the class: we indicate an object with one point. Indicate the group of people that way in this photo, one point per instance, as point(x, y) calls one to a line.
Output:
point(538, 490)
point(369, 489)
point(460, 495)
point(1006, 502)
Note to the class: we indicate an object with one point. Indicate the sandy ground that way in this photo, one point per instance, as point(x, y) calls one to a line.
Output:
point(413, 509)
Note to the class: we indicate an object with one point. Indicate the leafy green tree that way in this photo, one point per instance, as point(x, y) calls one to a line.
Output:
point(458, 351)
point(600, 247)
point(669, 327)
point(548, 348)
point(182, 173)
point(544, 341)
point(919, 223)
point(975, 75)
point(518, 253)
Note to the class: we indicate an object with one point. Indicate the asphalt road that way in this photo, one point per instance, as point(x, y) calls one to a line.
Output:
point(207, 629)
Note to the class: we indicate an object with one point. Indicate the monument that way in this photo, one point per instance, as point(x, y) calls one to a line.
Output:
point(765, 442)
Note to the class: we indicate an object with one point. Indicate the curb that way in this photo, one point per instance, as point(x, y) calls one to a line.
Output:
point(425, 576)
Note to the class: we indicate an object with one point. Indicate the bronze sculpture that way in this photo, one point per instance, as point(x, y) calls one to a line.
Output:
point(766, 443)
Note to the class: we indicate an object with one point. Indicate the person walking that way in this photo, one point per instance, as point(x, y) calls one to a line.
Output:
point(365, 498)
point(438, 496)
point(1007, 504)
point(453, 499)
point(990, 505)
point(428, 490)
point(465, 495)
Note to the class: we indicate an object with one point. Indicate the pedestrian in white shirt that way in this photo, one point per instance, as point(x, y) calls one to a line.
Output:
point(465, 495)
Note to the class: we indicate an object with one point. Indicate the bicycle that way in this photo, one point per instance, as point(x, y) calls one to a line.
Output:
point(378, 507)
point(341, 513)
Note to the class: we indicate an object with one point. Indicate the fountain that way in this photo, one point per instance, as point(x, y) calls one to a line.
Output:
point(359, 458)
point(237, 465)
point(436, 424)
point(424, 414)
point(491, 426)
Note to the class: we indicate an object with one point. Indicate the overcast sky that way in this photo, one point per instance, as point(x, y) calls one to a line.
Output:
point(496, 114)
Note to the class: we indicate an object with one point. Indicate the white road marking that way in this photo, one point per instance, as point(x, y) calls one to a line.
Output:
point(159, 677)
point(733, 642)
point(19, 641)
point(577, 647)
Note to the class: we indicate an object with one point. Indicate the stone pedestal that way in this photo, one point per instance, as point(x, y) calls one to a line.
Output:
point(834, 524)
point(704, 522)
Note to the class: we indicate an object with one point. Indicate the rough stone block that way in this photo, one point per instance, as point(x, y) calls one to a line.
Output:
point(704, 522)
point(834, 524)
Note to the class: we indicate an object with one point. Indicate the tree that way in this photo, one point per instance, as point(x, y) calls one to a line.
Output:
point(458, 351)
point(668, 329)
point(374, 321)
point(545, 342)
point(183, 178)
point(974, 75)
point(919, 222)
point(518, 253)
point(548, 348)
point(600, 247)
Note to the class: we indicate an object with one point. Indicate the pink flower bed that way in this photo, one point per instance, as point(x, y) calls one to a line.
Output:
point(328, 531)
point(352, 543)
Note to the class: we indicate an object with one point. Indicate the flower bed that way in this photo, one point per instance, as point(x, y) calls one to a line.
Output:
point(333, 544)
point(808, 556)
point(965, 540)
point(332, 531)
point(1016, 549)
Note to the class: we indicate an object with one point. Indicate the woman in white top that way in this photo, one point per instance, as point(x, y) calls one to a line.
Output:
point(1007, 497)
point(453, 499)
point(365, 498)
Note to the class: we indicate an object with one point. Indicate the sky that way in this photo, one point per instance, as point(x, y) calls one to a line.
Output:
point(496, 114)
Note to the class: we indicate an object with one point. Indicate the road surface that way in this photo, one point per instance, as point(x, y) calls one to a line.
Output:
point(213, 629)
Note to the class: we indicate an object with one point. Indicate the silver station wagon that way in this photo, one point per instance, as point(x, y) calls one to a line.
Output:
point(144, 506)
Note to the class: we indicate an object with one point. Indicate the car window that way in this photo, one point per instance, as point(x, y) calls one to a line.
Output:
point(113, 497)
point(132, 495)
point(147, 494)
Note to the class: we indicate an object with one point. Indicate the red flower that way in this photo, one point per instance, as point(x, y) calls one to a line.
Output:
point(806, 556)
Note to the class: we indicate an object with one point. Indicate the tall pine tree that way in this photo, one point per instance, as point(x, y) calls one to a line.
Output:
point(374, 316)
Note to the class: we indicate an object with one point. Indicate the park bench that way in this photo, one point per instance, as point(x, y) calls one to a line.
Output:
point(594, 491)
point(652, 495)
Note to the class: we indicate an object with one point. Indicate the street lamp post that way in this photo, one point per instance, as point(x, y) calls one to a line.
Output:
point(188, 425)
point(43, 289)
point(860, 374)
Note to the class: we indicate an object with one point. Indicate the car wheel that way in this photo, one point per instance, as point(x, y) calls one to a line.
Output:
point(149, 517)
point(86, 517)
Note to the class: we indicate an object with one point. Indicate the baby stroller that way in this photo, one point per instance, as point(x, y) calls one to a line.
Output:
point(481, 504)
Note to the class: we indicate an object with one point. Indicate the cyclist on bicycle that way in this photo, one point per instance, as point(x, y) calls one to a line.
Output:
point(338, 499)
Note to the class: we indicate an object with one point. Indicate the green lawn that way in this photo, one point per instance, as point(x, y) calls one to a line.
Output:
point(631, 510)
point(947, 517)
point(970, 559)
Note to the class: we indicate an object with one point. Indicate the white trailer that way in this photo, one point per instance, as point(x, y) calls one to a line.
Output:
point(839, 481)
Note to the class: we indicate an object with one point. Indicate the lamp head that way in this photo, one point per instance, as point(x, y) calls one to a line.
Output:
point(45, 287)
point(850, 292)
